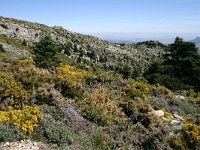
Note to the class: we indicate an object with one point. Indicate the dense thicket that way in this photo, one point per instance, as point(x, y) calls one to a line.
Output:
point(180, 68)
point(73, 107)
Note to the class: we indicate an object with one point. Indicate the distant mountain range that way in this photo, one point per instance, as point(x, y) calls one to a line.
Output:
point(197, 42)
point(120, 41)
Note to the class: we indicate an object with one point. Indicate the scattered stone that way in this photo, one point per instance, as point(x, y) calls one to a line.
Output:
point(25, 145)
point(175, 122)
point(181, 97)
point(178, 117)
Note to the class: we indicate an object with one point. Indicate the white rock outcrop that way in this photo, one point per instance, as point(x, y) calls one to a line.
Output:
point(158, 113)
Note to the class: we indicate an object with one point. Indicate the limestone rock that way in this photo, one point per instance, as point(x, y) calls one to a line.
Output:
point(178, 117)
point(24, 145)
point(158, 113)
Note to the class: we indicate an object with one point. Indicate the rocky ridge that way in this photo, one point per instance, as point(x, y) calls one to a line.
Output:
point(87, 47)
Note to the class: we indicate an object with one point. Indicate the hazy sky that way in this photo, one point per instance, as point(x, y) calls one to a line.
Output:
point(114, 18)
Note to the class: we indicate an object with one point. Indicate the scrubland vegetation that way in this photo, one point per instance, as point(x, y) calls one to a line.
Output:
point(63, 102)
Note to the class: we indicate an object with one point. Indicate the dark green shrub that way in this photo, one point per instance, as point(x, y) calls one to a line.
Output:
point(185, 106)
point(4, 26)
point(45, 53)
point(100, 141)
point(137, 137)
point(56, 113)
point(180, 68)
point(9, 133)
point(56, 132)
point(1, 48)
point(24, 42)
point(176, 142)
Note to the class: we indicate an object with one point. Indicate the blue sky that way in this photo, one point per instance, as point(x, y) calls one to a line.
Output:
point(128, 19)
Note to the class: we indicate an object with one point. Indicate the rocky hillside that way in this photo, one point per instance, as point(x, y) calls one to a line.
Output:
point(17, 36)
point(58, 90)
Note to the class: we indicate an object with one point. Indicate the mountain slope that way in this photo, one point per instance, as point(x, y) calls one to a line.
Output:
point(89, 48)
point(79, 102)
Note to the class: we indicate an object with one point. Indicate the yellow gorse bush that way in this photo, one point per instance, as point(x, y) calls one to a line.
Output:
point(71, 80)
point(138, 88)
point(12, 92)
point(168, 116)
point(71, 71)
point(27, 119)
point(192, 132)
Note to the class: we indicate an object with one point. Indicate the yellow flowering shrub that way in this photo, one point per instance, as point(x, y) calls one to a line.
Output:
point(27, 119)
point(70, 80)
point(192, 132)
point(138, 88)
point(168, 116)
point(158, 89)
point(72, 72)
point(100, 106)
point(12, 92)
point(27, 63)
point(177, 143)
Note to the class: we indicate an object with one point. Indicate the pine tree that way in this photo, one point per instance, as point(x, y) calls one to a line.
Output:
point(181, 64)
point(45, 53)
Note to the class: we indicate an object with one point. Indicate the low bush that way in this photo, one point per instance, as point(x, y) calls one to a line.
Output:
point(47, 94)
point(168, 116)
point(176, 142)
point(138, 88)
point(185, 106)
point(56, 132)
point(137, 137)
point(12, 92)
point(27, 119)
point(9, 133)
point(100, 107)
point(70, 81)
point(191, 133)
point(100, 141)
point(56, 113)
point(159, 91)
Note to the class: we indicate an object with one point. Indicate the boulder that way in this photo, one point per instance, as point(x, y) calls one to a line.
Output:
point(181, 97)
point(175, 122)
point(159, 113)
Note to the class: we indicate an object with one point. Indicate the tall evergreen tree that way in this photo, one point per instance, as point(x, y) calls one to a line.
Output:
point(181, 64)
point(45, 53)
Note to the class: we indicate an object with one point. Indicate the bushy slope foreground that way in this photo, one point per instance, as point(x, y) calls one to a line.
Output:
point(81, 108)
point(72, 106)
